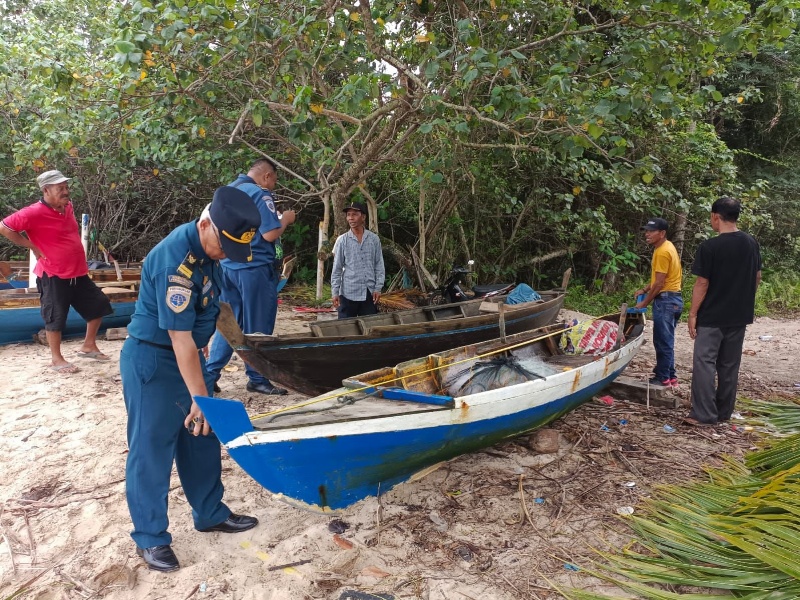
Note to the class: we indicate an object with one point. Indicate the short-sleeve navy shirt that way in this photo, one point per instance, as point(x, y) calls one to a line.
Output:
point(179, 290)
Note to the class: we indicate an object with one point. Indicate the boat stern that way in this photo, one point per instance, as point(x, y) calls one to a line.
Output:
point(228, 417)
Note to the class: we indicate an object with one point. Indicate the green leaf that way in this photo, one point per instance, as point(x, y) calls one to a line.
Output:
point(595, 130)
point(431, 69)
point(437, 178)
point(124, 46)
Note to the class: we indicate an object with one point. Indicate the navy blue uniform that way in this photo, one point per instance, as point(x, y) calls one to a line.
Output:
point(180, 292)
point(251, 288)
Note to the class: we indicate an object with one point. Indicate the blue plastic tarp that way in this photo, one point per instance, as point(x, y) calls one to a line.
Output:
point(522, 293)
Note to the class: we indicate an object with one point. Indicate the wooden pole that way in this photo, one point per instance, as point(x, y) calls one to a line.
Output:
point(502, 321)
point(623, 313)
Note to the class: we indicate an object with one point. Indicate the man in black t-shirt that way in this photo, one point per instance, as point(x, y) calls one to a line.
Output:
point(728, 269)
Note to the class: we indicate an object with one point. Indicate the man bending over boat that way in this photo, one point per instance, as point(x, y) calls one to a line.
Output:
point(358, 272)
point(163, 369)
point(62, 273)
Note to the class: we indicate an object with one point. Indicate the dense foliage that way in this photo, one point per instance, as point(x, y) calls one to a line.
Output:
point(529, 135)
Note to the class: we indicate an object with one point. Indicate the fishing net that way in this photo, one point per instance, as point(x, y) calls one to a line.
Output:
point(479, 375)
point(589, 337)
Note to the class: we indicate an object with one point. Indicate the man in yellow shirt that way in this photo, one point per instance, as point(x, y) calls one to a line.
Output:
point(664, 291)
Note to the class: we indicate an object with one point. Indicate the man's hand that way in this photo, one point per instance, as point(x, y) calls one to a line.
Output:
point(335, 301)
point(692, 326)
point(195, 422)
point(288, 217)
point(376, 296)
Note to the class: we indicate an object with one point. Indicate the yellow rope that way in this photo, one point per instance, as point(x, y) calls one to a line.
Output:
point(415, 374)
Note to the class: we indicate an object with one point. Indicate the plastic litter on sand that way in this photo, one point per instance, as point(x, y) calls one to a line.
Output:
point(669, 429)
point(625, 510)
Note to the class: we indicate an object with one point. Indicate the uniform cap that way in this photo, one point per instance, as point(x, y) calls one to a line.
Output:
point(236, 217)
point(655, 224)
point(50, 178)
point(356, 206)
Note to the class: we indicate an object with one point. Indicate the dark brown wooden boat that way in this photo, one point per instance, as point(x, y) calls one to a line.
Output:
point(316, 362)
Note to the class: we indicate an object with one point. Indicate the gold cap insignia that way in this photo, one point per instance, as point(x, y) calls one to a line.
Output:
point(247, 236)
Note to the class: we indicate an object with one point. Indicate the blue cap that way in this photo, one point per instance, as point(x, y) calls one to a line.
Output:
point(236, 217)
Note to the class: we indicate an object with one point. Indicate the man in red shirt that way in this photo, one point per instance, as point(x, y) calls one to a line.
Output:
point(62, 275)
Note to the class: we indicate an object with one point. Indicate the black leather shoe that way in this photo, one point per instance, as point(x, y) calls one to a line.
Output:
point(234, 524)
point(266, 388)
point(217, 389)
point(159, 558)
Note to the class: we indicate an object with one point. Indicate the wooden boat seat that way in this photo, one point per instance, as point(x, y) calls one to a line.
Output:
point(439, 313)
point(362, 326)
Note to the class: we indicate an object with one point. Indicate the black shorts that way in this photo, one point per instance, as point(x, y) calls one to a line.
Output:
point(56, 295)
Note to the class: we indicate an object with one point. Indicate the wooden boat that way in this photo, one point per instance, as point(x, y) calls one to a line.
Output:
point(383, 426)
point(317, 362)
point(21, 319)
point(16, 273)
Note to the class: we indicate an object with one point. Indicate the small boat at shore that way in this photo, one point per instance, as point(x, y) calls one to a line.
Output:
point(21, 318)
point(15, 273)
point(383, 426)
point(316, 362)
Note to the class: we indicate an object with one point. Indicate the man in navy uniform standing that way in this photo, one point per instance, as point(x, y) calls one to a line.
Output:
point(163, 368)
point(251, 288)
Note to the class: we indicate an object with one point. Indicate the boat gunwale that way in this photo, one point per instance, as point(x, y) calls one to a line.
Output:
point(481, 399)
point(258, 341)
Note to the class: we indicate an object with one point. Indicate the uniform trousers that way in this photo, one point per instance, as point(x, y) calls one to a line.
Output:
point(253, 296)
point(717, 352)
point(157, 402)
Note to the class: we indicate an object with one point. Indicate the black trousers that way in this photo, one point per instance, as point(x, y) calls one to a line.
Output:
point(354, 308)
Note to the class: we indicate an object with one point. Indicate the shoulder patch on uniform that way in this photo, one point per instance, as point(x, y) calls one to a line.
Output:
point(186, 268)
point(182, 280)
point(178, 298)
point(270, 204)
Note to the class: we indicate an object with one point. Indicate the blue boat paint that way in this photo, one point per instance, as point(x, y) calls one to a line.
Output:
point(333, 472)
point(21, 324)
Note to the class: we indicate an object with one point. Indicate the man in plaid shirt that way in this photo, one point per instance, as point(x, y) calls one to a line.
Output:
point(358, 273)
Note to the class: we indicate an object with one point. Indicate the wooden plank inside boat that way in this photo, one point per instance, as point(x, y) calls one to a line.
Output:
point(348, 407)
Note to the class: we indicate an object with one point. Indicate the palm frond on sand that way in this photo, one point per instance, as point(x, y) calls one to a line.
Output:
point(735, 535)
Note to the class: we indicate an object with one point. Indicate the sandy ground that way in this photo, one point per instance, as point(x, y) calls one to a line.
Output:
point(501, 524)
